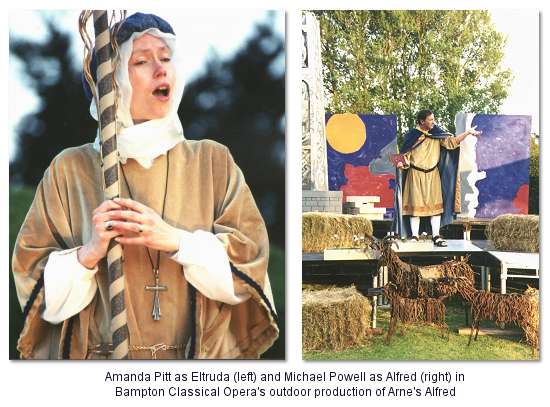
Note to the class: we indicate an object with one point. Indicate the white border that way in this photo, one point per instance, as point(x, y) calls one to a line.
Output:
point(506, 383)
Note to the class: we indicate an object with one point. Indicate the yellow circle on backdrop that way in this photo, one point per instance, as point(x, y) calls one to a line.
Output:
point(346, 133)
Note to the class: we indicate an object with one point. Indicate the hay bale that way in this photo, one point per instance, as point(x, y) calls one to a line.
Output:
point(517, 233)
point(322, 231)
point(317, 287)
point(334, 319)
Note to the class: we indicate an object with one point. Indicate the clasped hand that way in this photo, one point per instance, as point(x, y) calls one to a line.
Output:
point(129, 223)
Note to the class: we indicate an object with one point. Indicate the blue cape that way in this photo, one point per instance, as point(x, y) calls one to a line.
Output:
point(412, 136)
point(448, 170)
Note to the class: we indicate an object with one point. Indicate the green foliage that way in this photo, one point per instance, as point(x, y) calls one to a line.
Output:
point(401, 61)
point(534, 176)
point(424, 342)
point(534, 159)
point(20, 200)
point(276, 271)
point(62, 119)
point(240, 102)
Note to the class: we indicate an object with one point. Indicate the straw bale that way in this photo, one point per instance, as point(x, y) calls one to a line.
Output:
point(519, 233)
point(334, 319)
point(322, 231)
point(317, 287)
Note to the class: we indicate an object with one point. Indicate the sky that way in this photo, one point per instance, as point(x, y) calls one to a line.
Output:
point(205, 31)
point(522, 56)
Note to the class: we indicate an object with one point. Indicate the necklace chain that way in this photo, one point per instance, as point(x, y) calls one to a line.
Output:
point(153, 267)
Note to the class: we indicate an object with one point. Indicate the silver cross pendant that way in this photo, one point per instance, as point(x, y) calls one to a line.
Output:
point(156, 300)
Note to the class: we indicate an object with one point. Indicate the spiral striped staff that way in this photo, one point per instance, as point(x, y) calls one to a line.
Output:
point(105, 99)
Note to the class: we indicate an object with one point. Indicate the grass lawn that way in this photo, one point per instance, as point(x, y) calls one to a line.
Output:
point(424, 342)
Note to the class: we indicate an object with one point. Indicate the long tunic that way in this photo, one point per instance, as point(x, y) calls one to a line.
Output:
point(206, 191)
point(422, 191)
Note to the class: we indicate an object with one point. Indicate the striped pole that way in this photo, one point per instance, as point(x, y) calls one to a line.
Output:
point(110, 165)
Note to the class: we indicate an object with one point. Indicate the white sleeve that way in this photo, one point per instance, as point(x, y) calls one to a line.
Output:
point(68, 286)
point(206, 266)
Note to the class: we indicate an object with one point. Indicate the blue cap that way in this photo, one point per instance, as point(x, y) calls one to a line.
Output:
point(137, 22)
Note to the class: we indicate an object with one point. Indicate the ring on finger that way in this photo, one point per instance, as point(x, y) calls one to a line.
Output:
point(108, 225)
point(140, 228)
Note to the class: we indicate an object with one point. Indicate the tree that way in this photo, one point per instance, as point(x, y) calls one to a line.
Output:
point(240, 102)
point(534, 175)
point(62, 119)
point(399, 61)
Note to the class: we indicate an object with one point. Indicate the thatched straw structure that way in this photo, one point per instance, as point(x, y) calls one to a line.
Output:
point(415, 310)
point(416, 293)
point(412, 281)
point(519, 309)
point(334, 319)
point(517, 233)
point(322, 231)
point(531, 321)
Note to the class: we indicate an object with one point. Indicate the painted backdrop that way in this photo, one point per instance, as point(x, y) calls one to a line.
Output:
point(358, 147)
point(494, 168)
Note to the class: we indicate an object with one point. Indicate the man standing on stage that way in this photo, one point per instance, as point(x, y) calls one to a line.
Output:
point(430, 160)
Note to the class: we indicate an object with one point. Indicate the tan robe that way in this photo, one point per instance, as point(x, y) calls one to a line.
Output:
point(422, 192)
point(206, 191)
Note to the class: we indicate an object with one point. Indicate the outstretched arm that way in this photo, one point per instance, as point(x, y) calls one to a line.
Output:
point(471, 131)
